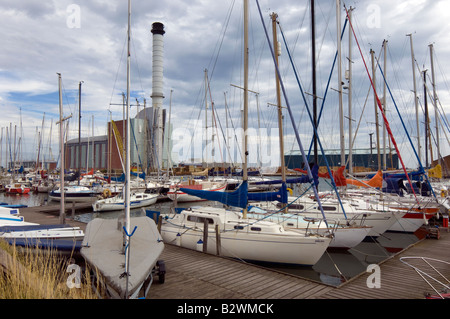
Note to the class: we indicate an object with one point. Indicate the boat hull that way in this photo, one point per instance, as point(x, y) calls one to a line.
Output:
point(411, 222)
point(76, 197)
point(112, 204)
point(287, 249)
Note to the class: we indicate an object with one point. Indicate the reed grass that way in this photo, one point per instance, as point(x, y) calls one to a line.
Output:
point(29, 273)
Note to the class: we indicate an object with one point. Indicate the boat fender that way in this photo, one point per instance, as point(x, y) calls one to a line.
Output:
point(107, 193)
point(290, 191)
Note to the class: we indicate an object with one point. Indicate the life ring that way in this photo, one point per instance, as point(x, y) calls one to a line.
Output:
point(106, 193)
point(290, 191)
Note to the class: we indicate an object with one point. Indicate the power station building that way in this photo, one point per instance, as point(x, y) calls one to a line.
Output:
point(149, 136)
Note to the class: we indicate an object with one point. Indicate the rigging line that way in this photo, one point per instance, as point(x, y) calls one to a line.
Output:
point(388, 128)
point(137, 64)
point(220, 43)
point(117, 73)
point(359, 123)
point(310, 117)
point(234, 129)
point(215, 122)
point(291, 115)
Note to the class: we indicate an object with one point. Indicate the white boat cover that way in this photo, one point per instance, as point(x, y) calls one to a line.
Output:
point(102, 248)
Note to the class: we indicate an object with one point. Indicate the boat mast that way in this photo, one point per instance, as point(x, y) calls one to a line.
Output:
point(384, 105)
point(127, 160)
point(435, 99)
point(79, 131)
point(314, 85)
point(341, 108)
point(350, 83)
point(62, 157)
point(246, 53)
point(416, 101)
point(276, 49)
point(426, 115)
point(377, 130)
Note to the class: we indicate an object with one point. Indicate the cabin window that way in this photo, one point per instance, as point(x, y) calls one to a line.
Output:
point(198, 219)
point(329, 208)
point(290, 224)
point(238, 227)
point(292, 206)
point(255, 228)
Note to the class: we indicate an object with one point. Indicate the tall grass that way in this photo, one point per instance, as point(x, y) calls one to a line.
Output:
point(29, 273)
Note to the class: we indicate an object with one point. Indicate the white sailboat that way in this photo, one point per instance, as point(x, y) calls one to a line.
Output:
point(15, 230)
point(74, 193)
point(137, 200)
point(125, 252)
point(240, 236)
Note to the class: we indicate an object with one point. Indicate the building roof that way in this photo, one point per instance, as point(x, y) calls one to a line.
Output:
point(100, 138)
point(357, 151)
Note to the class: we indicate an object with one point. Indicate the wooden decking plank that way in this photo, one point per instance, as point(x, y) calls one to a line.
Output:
point(281, 290)
point(300, 289)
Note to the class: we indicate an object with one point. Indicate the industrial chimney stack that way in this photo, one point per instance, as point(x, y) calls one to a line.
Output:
point(157, 88)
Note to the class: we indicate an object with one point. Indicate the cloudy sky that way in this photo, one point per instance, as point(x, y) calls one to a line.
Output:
point(85, 41)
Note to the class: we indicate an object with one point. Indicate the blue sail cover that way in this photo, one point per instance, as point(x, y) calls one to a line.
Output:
point(280, 195)
point(394, 185)
point(415, 176)
point(140, 175)
point(237, 198)
point(121, 178)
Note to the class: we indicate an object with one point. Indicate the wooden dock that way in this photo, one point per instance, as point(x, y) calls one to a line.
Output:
point(49, 214)
point(196, 275)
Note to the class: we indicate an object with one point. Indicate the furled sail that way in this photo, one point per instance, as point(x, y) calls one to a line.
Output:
point(237, 198)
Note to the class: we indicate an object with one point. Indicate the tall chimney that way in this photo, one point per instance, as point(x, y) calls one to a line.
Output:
point(157, 89)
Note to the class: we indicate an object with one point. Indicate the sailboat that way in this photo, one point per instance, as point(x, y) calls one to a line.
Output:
point(345, 234)
point(15, 230)
point(124, 251)
point(137, 200)
point(240, 236)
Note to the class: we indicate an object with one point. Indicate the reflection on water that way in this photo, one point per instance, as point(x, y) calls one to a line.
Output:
point(30, 199)
point(334, 268)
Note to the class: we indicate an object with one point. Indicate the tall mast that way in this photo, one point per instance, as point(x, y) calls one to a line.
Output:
point(62, 157)
point(280, 113)
point(416, 101)
point(341, 108)
point(246, 53)
point(426, 115)
point(127, 161)
point(376, 110)
point(206, 118)
point(350, 92)
point(314, 85)
point(384, 105)
point(79, 130)
point(435, 103)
